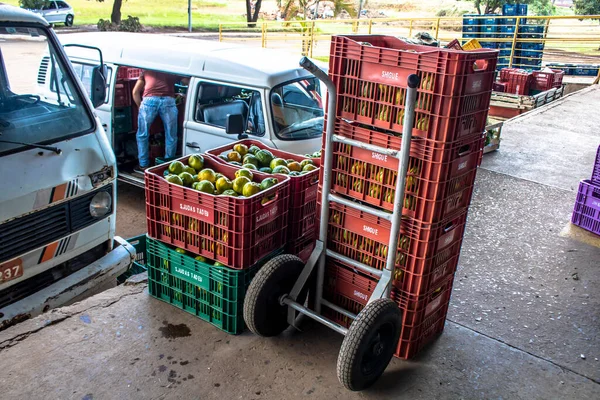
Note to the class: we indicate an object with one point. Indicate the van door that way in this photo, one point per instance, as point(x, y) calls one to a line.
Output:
point(209, 104)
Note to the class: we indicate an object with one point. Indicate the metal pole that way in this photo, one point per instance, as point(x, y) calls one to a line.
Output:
point(407, 127)
point(190, 15)
point(220, 32)
point(360, 4)
point(514, 43)
point(370, 25)
point(437, 28)
point(327, 166)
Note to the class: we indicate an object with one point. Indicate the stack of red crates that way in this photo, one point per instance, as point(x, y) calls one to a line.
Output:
point(370, 73)
point(516, 81)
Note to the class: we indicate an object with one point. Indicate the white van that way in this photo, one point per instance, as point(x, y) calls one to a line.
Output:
point(281, 104)
point(58, 186)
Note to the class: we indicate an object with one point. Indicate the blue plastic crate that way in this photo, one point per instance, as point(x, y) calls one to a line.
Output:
point(509, 9)
point(505, 45)
point(491, 19)
point(586, 70)
point(567, 68)
point(469, 20)
point(470, 36)
point(521, 9)
point(508, 29)
point(531, 54)
point(504, 53)
point(509, 21)
point(470, 29)
point(531, 46)
point(490, 29)
point(539, 29)
point(489, 45)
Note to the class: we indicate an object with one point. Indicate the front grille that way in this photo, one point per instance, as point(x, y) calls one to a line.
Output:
point(41, 79)
point(27, 233)
point(40, 281)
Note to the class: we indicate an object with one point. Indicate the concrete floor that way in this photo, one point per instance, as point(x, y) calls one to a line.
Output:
point(524, 321)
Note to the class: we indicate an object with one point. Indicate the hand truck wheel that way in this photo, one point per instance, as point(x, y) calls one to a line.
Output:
point(263, 312)
point(369, 345)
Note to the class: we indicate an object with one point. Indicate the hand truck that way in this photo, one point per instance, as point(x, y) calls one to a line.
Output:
point(280, 289)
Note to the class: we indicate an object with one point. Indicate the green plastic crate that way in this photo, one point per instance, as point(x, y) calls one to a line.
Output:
point(214, 294)
point(139, 265)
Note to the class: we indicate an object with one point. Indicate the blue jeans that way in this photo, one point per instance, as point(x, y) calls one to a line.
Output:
point(150, 108)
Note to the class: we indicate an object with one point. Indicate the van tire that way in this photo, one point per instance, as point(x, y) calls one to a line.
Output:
point(69, 20)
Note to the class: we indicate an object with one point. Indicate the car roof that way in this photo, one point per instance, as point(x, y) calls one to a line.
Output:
point(10, 13)
point(191, 57)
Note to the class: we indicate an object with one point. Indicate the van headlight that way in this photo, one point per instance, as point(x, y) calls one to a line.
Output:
point(101, 204)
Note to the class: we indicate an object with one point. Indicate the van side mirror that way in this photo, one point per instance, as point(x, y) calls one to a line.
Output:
point(235, 125)
point(98, 90)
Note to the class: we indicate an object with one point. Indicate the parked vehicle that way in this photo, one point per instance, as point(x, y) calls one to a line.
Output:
point(58, 187)
point(281, 104)
point(57, 12)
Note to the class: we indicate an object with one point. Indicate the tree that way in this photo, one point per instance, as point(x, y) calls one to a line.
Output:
point(540, 7)
point(290, 9)
point(115, 16)
point(587, 7)
point(32, 4)
point(252, 16)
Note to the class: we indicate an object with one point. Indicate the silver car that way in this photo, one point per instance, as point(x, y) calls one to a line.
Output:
point(57, 12)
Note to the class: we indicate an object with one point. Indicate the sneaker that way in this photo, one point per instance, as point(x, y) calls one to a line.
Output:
point(140, 169)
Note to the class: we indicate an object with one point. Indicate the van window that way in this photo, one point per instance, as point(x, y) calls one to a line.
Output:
point(297, 109)
point(216, 101)
point(62, 4)
point(29, 113)
point(49, 6)
point(84, 72)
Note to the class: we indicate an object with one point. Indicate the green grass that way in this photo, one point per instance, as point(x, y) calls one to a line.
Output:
point(206, 14)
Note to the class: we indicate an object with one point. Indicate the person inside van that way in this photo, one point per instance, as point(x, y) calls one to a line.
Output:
point(154, 94)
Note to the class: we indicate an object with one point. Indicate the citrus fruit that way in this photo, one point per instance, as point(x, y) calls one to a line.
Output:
point(294, 166)
point(207, 174)
point(309, 167)
point(276, 162)
point(218, 264)
point(230, 192)
point(189, 170)
point(224, 157)
point(166, 173)
point(201, 259)
point(242, 149)
point(305, 162)
point(180, 251)
point(218, 175)
point(205, 187)
point(223, 184)
point(266, 170)
point(253, 149)
point(281, 169)
point(250, 189)
point(264, 157)
point(176, 167)
point(186, 178)
point(235, 163)
point(239, 183)
point(244, 172)
point(196, 161)
point(295, 173)
point(250, 159)
point(174, 179)
point(250, 166)
point(234, 156)
point(268, 182)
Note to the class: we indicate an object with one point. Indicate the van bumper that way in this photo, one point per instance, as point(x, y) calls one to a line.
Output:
point(109, 266)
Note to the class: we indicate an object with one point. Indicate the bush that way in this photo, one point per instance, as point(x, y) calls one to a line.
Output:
point(131, 24)
point(32, 4)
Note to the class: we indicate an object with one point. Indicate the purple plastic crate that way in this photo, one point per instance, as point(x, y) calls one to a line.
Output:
point(596, 172)
point(586, 213)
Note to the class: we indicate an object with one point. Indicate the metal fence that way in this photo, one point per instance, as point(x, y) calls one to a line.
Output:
point(520, 40)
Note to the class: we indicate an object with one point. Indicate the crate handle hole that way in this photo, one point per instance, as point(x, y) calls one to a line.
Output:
point(464, 150)
point(481, 65)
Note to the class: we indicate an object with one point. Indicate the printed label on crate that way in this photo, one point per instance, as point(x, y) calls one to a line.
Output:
point(367, 229)
point(384, 74)
point(464, 163)
point(381, 160)
point(440, 272)
point(447, 239)
point(595, 203)
point(434, 305)
point(192, 210)
point(267, 215)
point(189, 276)
point(311, 193)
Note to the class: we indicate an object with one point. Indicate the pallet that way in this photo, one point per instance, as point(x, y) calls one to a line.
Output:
point(507, 105)
point(493, 131)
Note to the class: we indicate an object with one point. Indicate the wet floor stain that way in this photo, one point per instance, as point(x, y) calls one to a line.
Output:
point(184, 363)
point(162, 368)
point(170, 331)
point(88, 396)
point(85, 319)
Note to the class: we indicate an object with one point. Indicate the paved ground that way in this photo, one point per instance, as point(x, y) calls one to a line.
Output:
point(524, 321)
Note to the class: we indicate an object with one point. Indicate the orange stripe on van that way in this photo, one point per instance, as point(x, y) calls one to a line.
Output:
point(58, 193)
point(49, 252)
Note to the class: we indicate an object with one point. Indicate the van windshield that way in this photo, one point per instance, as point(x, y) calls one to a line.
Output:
point(36, 106)
point(297, 109)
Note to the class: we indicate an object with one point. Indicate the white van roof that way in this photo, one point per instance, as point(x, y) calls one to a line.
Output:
point(10, 13)
point(192, 57)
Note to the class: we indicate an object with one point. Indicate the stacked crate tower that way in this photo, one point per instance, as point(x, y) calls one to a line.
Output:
point(586, 213)
point(370, 74)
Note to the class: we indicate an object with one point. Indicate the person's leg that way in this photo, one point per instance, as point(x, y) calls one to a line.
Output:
point(168, 114)
point(146, 115)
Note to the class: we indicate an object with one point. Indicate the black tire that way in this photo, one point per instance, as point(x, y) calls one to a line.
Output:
point(369, 345)
point(263, 313)
point(69, 20)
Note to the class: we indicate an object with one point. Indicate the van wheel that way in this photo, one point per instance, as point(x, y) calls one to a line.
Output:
point(69, 20)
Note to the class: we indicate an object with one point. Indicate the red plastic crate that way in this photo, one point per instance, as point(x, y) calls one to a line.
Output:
point(501, 87)
point(122, 95)
point(236, 231)
point(596, 171)
point(423, 250)
point(371, 82)
point(133, 73)
point(519, 83)
point(422, 316)
point(586, 212)
point(505, 73)
point(301, 247)
point(547, 80)
point(440, 175)
point(121, 73)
